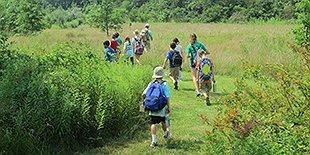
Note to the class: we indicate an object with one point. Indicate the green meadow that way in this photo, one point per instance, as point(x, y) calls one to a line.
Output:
point(232, 47)
point(228, 43)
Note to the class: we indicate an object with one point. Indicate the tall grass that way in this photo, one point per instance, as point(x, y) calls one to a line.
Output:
point(228, 43)
point(65, 99)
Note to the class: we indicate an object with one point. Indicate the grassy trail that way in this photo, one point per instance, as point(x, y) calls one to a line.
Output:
point(187, 131)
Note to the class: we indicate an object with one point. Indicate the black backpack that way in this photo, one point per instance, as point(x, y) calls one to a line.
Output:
point(177, 59)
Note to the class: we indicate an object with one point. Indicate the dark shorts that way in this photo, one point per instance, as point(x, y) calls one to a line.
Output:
point(157, 119)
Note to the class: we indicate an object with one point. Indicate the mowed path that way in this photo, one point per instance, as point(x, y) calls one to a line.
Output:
point(187, 130)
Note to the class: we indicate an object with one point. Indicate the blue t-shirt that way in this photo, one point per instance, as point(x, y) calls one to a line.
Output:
point(169, 57)
point(109, 54)
point(119, 41)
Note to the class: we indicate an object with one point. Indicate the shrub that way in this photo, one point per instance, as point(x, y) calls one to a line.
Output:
point(23, 17)
point(268, 113)
point(67, 98)
point(302, 31)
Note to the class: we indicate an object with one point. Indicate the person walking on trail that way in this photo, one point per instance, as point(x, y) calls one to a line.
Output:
point(205, 74)
point(118, 39)
point(109, 53)
point(114, 44)
point(148, 37)
point(138, 46)
point(179, 48)
point(157, 102)
point(128, 50)
point(192, 50)
point(175, 62)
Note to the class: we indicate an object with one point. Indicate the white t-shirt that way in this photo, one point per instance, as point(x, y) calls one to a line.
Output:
point(179, 48)
point(134, 42)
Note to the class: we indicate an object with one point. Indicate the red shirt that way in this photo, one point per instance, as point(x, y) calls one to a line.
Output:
point(114, 44)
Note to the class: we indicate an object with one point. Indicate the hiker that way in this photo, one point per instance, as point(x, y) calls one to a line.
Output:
point(205, 74)
point(157, 102)
point(114, 44)
point(191, 51)
point(118, 39)
point(128, 51)
point(147, 37)
point(175, 62)
point(138, 46)
point(109, 53)
point(179, 48)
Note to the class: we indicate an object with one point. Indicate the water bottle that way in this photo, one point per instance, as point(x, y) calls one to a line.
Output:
point(214, 86)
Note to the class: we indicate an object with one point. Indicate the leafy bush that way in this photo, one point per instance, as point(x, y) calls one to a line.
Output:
point(268, 113)
point(67, 98)
point(23, 16)
point(302, 31)
point(70, 18)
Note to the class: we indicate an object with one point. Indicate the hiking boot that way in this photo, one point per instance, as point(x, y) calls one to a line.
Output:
point(176, 85)
point(153, 144)
point(197, 93)
point(208, 101)
point(166, 134)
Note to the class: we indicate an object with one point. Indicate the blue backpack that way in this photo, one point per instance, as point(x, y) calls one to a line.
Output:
point(155, 99)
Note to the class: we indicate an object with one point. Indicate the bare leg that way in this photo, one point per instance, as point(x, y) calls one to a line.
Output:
point(138, 59)
point(153, 129)
point(163, 125)
point(194, 79)
point(172, 78)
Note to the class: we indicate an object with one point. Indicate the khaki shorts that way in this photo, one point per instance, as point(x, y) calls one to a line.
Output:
point(174, 71)
point(205, 86)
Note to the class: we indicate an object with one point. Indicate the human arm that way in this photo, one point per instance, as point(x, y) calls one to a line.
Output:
point(204, 48)
point(168, 56)
point(165, 62)
point(168, 105)
point(124, 49)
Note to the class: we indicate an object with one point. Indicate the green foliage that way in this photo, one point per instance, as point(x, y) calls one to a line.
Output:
point(23, 16)
point(67, 98)
point(106, 15)
point(70, 18)
point(302, 32)
point(212, 11)
point(268, 113)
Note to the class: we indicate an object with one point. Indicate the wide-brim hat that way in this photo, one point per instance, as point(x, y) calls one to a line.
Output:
point(159, 72)
point(136, 31)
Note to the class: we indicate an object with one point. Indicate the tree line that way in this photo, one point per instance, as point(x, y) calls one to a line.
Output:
point(24, 16)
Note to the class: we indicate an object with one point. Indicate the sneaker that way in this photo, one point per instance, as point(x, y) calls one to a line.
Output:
point(153, 144)
point(166, 134)
point(208, 101)
point(176, 85)
point(197, 93)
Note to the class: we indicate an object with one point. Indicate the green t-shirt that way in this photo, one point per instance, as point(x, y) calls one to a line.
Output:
point(197, 45)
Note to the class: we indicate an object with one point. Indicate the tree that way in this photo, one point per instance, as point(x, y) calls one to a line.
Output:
point(106, 16)
point(302, 32)
point(23, 16)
